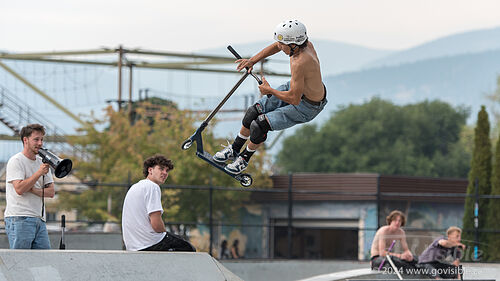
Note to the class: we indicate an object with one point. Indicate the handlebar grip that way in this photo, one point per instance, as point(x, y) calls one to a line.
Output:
point(233, 52)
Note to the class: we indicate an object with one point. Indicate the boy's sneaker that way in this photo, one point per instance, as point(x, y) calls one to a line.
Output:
point(226, 154)
point(237, 166)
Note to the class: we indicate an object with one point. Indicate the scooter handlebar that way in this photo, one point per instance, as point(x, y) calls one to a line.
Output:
point(233, 51)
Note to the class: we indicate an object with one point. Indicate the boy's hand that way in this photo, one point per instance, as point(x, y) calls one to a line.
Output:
point(265, 88)
point(243, 63)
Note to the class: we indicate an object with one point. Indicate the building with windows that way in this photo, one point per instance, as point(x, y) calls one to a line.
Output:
point(335, 216)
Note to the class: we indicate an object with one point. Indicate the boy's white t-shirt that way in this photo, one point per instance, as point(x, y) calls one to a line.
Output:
point(142, 199)
point(20, 167)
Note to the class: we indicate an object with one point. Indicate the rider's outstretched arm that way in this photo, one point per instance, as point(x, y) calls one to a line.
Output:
point(266, 52)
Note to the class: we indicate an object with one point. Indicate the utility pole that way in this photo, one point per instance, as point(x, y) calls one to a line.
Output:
point(120, 61)
point(130, 90)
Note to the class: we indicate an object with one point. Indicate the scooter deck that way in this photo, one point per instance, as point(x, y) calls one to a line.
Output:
point(208, 157)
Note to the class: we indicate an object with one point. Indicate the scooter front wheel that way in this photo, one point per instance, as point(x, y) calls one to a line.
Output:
point(246, 180)
point(187, 144)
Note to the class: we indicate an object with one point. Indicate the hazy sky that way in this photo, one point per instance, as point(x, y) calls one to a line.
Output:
point(185, 26)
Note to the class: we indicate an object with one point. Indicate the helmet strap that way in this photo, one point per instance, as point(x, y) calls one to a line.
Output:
point(292, 50)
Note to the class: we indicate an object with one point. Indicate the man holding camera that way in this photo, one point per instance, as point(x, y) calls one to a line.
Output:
point(26, 176)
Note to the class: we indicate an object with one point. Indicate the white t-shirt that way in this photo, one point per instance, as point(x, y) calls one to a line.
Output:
point(142, 199)
point(20, 167)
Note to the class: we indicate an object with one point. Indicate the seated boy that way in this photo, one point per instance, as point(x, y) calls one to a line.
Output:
point(435, 258)
point(383, 239)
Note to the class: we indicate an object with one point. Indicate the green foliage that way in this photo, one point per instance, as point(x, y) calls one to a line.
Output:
point(493, 215)
point(481, 170)
point(380, 137)
point(116, 155)
point(493, 219)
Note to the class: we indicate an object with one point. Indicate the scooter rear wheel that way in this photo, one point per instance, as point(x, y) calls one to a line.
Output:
point(246, 180)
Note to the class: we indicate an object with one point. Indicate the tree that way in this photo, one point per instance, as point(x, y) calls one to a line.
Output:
point(493, 214)
point(380, 137)
point(481, 171)
point(116, 155)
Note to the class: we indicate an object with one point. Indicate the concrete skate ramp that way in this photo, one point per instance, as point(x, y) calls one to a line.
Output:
point(76, 265)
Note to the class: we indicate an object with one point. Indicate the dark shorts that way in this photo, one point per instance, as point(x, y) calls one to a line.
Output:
point(399, 263)
point(171, 242)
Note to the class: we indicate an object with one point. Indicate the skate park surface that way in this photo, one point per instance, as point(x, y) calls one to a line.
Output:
point(76, 265)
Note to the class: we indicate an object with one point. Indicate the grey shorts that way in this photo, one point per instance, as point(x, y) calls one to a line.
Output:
point(282, 115)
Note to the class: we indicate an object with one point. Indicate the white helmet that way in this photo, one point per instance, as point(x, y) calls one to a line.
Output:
point(290, 31)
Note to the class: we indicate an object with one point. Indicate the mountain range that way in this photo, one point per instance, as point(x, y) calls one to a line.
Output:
point(475, 41)
point(461, 80)
point(460, 69)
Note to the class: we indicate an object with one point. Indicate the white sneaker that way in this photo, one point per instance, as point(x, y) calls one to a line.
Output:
point(225, 154)
point(237, 166)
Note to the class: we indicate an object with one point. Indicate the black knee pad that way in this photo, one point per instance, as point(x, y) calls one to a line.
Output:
point(252, 113)
point(259, 129)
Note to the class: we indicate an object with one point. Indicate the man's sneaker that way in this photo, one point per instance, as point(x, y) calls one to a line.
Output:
point(237, 166)
point(226, 154)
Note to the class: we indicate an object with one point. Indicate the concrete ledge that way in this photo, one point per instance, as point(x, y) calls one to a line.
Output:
point(77, 265)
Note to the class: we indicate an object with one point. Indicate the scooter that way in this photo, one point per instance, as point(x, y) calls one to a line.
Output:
point(244, 179)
